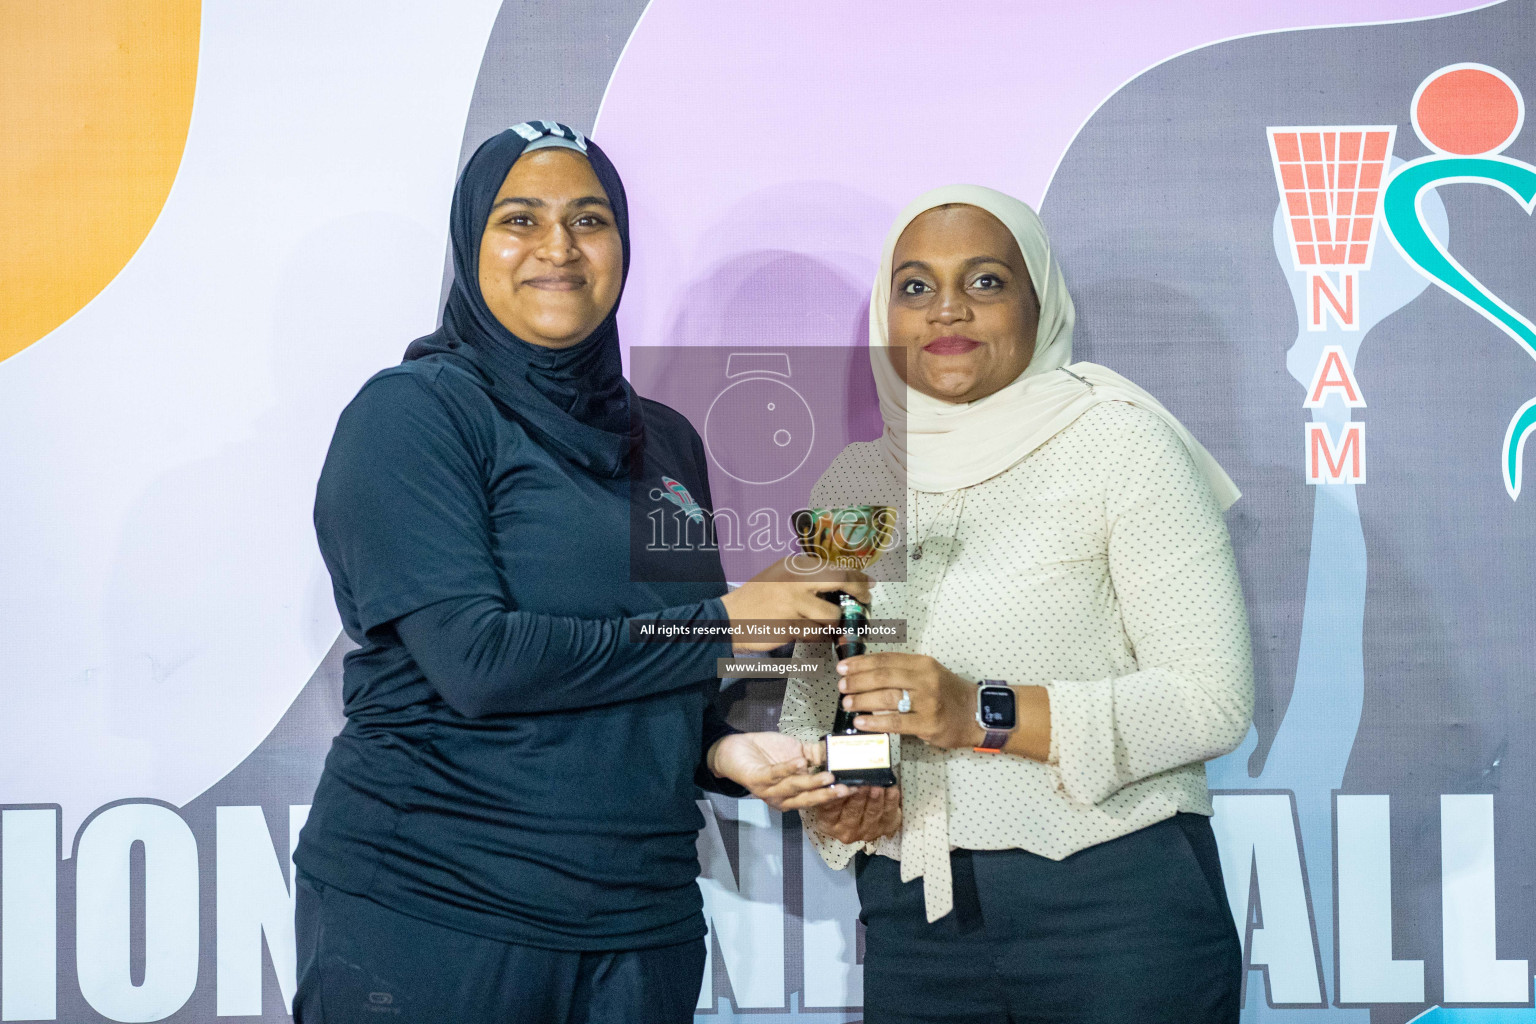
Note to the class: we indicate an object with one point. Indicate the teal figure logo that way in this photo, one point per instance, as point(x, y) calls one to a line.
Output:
point(678, 495)
point(1467, 114)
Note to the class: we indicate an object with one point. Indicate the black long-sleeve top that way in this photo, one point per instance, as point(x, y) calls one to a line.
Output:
point(513, 764)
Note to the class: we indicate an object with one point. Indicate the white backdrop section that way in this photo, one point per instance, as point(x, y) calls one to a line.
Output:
point(163, 599)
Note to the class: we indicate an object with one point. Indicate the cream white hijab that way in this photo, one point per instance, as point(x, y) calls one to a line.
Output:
point(941, 445)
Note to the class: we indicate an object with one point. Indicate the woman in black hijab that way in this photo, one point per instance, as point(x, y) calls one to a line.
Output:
point(505, 827)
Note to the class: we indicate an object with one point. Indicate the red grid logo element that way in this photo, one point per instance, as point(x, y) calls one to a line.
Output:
point(1330, 181)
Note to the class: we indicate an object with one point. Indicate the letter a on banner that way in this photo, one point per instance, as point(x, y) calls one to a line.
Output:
point(1267, 892)
point(1333, 376)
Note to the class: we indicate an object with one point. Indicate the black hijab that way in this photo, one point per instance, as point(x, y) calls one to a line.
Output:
point(573, 400)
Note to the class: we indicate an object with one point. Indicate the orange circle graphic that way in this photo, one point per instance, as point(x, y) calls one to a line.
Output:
point(95, 100)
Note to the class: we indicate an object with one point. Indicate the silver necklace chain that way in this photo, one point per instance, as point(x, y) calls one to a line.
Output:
point(917, 549)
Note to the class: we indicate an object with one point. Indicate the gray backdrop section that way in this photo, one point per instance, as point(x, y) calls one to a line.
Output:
point(1162, 212)
point(546, 59)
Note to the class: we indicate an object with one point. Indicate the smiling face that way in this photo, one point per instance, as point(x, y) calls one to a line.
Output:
point(961, 304)
point(551, 260)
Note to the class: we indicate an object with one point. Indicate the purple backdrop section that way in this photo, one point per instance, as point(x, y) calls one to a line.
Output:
point(766, 147)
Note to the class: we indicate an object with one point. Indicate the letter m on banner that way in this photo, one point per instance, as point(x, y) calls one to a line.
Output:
point(1341, 462)
point(1330, 181)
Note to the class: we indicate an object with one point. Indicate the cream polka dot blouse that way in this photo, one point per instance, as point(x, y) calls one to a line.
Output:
point(1098, 567)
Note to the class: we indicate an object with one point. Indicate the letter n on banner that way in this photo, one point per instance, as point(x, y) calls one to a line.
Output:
point(1267, 891)
point(1330, 462)
point(834, 977)
point(744, 903)
point(1325, 299)
point(255, 903)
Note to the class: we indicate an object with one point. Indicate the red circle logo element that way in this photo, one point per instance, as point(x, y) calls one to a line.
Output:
point(1468, 110)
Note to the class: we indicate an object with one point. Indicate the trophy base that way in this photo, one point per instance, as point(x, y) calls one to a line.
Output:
point(862, 759)
point(883, 777)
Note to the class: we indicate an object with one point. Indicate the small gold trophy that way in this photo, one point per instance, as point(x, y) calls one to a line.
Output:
point(851, 537)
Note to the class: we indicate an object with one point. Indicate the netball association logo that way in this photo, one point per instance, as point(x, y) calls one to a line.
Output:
point(1336, 183)
point(1330, 180)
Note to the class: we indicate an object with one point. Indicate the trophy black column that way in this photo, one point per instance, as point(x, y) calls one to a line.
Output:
point(850, 643)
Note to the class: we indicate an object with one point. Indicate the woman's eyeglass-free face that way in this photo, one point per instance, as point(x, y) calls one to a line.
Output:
point(962, 305)
point(551, 259)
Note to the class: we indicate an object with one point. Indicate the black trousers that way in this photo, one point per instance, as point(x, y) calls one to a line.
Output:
point(1135, 930)
point(359, 961)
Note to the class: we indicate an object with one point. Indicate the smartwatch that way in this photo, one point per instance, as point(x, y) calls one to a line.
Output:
point(996, 713)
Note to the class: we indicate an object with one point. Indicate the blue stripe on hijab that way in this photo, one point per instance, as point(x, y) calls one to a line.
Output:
point(573, 400)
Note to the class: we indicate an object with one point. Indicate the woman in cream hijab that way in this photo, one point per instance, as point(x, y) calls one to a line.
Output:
point(1065, 573)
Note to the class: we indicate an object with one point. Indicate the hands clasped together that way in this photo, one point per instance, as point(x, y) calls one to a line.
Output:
point(779, 769)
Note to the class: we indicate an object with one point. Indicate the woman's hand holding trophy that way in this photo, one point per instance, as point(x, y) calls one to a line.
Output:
point(826, 586)
point(790, 591)
point(851, 537)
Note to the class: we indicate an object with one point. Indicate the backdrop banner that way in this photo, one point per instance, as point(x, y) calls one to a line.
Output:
point(1305, 226)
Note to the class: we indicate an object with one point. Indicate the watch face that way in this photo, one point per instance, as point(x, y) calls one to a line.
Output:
point(995, 707)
